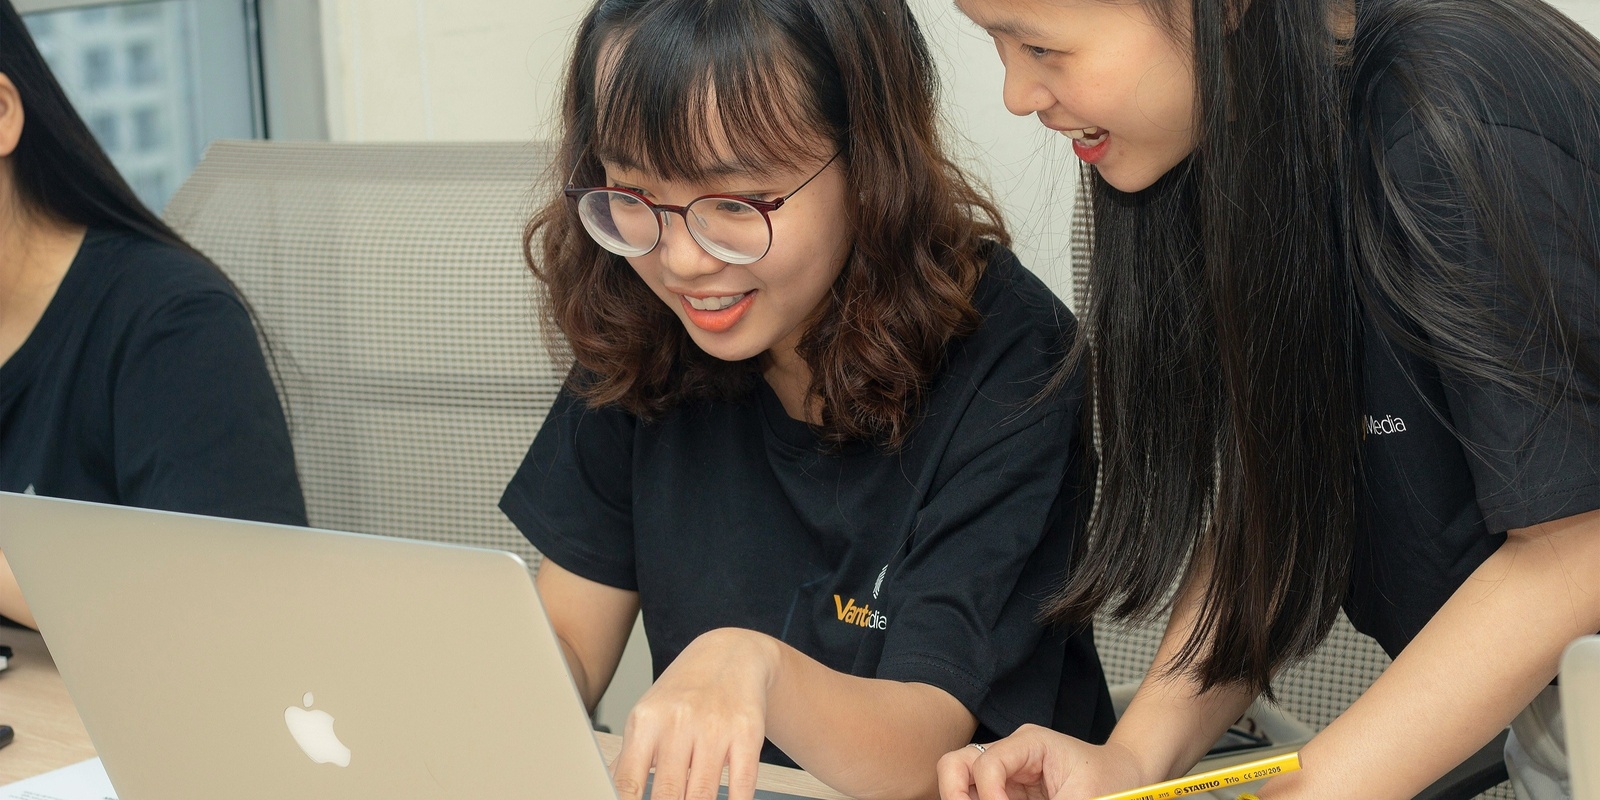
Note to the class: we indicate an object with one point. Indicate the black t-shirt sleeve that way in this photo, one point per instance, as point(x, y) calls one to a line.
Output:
point(963, 604)
point(1533, 459)
point(196, 422)
point(572, 496)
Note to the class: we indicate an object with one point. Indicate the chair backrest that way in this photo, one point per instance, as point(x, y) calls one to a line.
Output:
point(1313, 691)
point(389, 282)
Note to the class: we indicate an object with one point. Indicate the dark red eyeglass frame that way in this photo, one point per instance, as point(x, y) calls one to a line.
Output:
point(765, 207)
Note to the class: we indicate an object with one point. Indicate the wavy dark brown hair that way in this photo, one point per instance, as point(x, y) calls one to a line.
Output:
point(787, 82)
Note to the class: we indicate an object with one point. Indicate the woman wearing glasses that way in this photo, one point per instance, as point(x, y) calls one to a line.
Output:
point(808, 431)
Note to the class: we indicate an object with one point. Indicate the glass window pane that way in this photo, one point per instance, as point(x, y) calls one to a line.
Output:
point(155, 81)
point(147, 136)
point(97, 68)
point(144, 64)
point(140, 12)
point(107, 128)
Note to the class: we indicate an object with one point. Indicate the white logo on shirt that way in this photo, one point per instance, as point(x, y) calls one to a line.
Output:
point(877, 585)
point(1387, 425)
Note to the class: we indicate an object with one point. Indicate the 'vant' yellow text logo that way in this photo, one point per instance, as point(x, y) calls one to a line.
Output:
point(863, 616)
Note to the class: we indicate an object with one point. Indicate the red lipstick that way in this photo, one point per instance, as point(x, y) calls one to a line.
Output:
point(718, 321)
point(1091, 153)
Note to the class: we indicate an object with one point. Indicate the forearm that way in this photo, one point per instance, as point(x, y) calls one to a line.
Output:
point(591, 622)
point(1168, 728)
point(868, 738)
point(1169, 725)
point(1493, 646)
point(12, 606)
point(580, 676)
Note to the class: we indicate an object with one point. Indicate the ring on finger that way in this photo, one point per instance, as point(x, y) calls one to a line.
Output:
point(979, 747)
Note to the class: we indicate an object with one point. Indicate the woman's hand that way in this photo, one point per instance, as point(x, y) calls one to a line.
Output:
point(706, 711)
point(1037, 764)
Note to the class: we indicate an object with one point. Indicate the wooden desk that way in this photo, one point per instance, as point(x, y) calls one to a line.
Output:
point(49, 734)
point(35, 703)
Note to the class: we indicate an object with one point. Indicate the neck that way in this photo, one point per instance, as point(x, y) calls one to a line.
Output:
point(35, 252)
point(29, 239)
point(790, 378)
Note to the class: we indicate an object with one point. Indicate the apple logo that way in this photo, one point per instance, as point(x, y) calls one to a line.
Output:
point(313, 731)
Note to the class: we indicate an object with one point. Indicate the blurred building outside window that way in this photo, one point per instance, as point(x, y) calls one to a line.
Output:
point(97, 68)
point(144, 64)
point(156, 81)
point(107, 129)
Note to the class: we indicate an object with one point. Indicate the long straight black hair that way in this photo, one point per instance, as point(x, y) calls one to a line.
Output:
point(1223, 338)
point(58, 167)
point(59, 170)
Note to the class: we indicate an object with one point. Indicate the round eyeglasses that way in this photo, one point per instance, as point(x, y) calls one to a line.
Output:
point(733, 229)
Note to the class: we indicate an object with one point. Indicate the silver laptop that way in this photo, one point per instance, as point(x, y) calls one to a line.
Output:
point(1580, 708)
point(213, 658)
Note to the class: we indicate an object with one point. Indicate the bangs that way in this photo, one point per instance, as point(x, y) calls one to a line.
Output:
point(696, 89)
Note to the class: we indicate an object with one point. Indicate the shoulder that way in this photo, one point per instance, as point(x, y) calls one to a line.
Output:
point(578, 416)
point(139, 278)
point(144, 303)
point(1016, 305)
point(1021, 342)
point(1423, 66)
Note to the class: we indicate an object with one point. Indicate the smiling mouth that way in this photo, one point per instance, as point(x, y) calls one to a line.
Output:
point(713, 303)
point(1089, 137)
point(717, 314)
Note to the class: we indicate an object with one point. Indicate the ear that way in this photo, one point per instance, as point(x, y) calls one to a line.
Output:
point(10, 116)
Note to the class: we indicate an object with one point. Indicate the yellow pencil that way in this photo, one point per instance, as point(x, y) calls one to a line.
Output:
point(1213, 780)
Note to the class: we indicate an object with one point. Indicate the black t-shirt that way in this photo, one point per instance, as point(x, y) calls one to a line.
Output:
point(143, 385)
point(926, 565)
point(1451, 463)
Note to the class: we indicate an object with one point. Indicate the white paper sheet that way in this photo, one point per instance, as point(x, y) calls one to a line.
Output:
point(85, 780)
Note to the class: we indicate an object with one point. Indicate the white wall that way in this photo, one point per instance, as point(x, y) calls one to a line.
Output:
point(1584, 12)
point(1030, 169)
point(455, 70)
point(407, 70)
point(491, 70)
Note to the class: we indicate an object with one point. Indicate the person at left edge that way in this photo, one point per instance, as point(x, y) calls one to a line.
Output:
point(819, 457)
point(130, 372)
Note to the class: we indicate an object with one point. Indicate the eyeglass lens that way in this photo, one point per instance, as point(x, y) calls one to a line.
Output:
point(728, 229)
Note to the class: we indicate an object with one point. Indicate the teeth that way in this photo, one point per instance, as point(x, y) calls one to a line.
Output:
point(1084, 134)
point(714, 303)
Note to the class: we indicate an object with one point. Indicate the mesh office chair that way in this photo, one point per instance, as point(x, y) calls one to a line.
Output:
point(390, 282)
point(1311, 693)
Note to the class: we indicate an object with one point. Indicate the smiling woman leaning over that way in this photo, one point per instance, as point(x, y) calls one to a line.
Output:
point(1344, 346)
